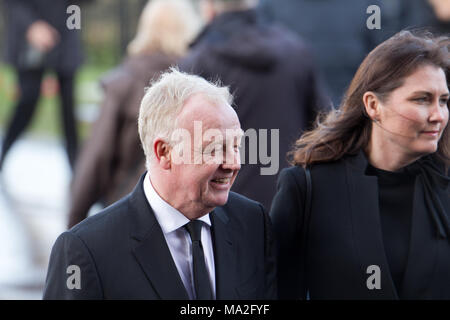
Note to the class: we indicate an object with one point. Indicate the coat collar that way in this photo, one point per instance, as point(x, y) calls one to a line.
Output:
point(153, 254)
point(423, 247)
point(367, 225)
point(151, 250)
point(423, 250)
point(224, 255)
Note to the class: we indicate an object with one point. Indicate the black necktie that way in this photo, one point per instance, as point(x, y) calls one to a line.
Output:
point(201, 278)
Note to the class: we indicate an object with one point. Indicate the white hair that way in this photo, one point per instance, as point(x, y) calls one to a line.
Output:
point(167, 26)
point(164, 100)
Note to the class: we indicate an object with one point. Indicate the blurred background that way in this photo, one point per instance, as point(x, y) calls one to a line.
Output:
point(36, 176)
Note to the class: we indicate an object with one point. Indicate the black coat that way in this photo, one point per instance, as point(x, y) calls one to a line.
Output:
point(66, 56)
point(345, 237)
point(271, 74)
point(122, 254)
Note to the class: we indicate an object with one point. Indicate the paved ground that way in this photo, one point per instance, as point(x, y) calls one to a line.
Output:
point(33, 200)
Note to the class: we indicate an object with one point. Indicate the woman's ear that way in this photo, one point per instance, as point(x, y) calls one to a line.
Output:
point(372, 105)
point(162, 152)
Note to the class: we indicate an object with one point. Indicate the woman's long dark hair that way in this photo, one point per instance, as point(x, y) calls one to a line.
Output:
point(347, 130)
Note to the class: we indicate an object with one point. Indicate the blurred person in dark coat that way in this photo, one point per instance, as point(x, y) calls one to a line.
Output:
point(271, 73)
point(397, 15)
point(37, 39)
point(336, 30)
point(437, 15)
point(442, 10)
point(112, 159)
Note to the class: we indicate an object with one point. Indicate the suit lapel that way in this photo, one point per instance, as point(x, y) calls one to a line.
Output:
point(151, 250)
point(224, 255)
point(363, 191)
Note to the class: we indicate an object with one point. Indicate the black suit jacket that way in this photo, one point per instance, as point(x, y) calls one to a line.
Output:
point(122, 254)
point(345, 237)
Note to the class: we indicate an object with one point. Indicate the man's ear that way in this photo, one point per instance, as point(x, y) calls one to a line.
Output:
point(372, 105)
point(162, 152)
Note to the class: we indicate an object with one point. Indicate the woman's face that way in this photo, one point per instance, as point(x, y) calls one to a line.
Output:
point(414, 116)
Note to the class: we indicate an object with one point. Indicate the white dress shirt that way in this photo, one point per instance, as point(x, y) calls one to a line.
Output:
point(172, 223)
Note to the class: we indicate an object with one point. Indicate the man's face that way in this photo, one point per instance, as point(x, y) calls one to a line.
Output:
point(205, 163)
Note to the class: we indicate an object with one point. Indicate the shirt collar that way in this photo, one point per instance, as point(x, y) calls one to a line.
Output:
point(169, 218)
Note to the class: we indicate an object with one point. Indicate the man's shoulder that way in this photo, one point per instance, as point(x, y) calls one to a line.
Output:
point(111, 220)
point(241, 207)
point(244, 217)
point(237, 199)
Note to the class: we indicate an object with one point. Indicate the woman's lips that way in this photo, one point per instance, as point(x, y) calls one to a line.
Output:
point(431, 133)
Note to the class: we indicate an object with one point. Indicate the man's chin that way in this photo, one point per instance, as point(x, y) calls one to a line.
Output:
point(220, 200)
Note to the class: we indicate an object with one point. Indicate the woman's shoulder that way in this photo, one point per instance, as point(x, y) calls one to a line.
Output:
point(317, 167)
point(324, 171)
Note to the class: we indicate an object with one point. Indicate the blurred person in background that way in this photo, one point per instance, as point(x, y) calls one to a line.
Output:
point(337, 31)
point(272, 75)
point(440, 20)
point(364, 213)
point(112, 159)
point(441, 9)
point(38, 39)
point(398, 15)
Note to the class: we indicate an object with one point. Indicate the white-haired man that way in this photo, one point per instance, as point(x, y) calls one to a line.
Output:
point(274, 82)
point(180, 234)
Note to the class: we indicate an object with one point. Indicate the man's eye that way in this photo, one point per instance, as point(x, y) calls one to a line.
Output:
point(444, 101)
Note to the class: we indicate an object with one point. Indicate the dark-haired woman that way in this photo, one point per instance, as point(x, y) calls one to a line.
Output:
point(372, 220)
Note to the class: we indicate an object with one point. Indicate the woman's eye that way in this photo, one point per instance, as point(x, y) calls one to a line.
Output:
point(421, 99)
point(443, 101)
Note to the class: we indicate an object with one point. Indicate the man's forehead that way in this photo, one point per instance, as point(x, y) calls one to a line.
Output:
point(210, 114)
point(199, 101)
